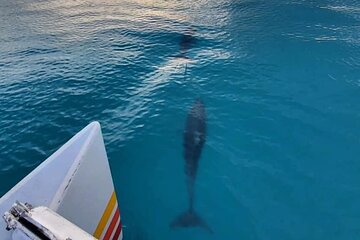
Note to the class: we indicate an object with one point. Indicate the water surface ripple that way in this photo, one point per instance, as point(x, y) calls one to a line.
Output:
point(281, 85)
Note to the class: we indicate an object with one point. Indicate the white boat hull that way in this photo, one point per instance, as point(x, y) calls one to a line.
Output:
point(76, 183)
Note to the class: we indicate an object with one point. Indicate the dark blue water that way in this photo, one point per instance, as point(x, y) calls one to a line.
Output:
point(281, 85)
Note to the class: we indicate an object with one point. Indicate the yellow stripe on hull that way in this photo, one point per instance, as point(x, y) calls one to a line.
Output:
point(105, 217)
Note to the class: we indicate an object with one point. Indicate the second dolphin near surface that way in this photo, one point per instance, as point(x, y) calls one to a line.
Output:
point(194, 139)
point(187, 41)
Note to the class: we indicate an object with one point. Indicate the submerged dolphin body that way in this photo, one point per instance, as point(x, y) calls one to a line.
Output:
point(194, 139)
point(187, 40)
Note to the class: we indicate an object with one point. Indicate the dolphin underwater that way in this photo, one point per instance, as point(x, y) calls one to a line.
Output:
point(194, 139)
point(187, 40)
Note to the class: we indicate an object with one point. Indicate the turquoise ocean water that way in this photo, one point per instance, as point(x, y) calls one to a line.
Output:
point(280, 81)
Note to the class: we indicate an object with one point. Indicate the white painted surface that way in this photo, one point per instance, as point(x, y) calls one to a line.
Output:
point(91, 186)
point(60, 227)
point(65, 182)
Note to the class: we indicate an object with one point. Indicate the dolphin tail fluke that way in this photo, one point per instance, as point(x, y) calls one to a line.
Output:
point(190, 219)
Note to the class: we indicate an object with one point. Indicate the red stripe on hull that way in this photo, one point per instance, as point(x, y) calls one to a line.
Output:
point(118, 231)
point(112, 225)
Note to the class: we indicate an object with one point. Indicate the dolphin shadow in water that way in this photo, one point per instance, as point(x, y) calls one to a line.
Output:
point(194, 139)
point(187, 41)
